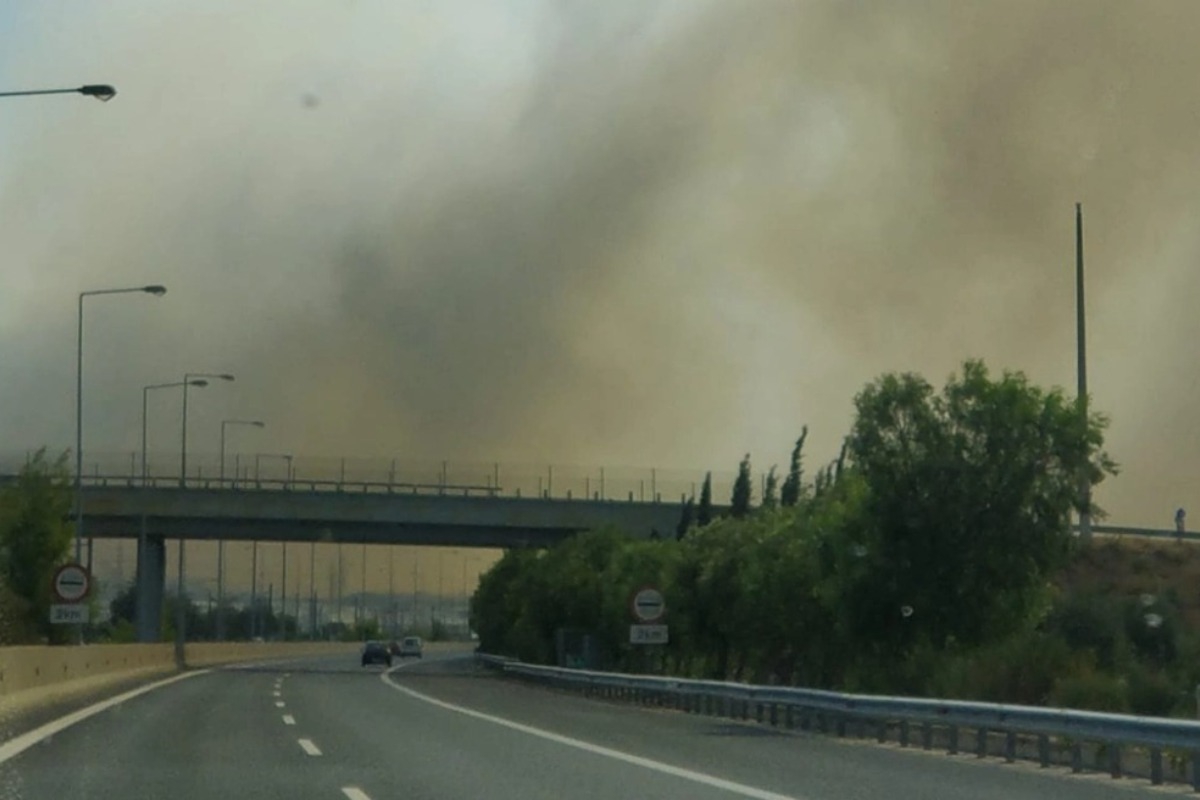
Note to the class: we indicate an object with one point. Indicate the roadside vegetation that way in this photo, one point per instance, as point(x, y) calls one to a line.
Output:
point(932, 557)
point(35, 538)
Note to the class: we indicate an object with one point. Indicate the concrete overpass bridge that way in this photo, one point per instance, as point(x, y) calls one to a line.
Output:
point(343, 502)
point(450, 516)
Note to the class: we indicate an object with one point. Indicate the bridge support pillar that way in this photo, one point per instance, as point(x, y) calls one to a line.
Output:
point(151, 575)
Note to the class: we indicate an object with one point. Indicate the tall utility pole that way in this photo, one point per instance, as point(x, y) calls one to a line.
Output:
point(392, 591)
point(253, 589)
point(339, 583)
point(312, 589)
point(363, 588)
point(1085, 484)
point(283, 592)
point(441, 583)
point(416, 583)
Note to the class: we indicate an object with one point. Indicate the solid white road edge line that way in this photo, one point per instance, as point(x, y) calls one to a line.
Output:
point(658, 766)
point(355, 793)
point(19, 744)
point(288, 719)
point(308, 747)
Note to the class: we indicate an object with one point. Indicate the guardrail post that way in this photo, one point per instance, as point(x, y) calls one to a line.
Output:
point(1195, 759)
point(881, 731)
point(953, 747)
point(1156, 766)
point(926, 736)
point(1043, 750)
point(1114, 759)
point(774, 715)
point(981, 742)
point(1076, 757)
point(904, 733)
point(758, 712)
point(1010, 747)
point(788, 722)
point(840, 726)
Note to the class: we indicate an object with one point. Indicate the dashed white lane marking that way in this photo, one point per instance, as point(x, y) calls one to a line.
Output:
point(308, 747)
point(277, 693)
point(19, 744)
point(617, 755)
point(288, 719)
point(355, 793)
point(279, 704)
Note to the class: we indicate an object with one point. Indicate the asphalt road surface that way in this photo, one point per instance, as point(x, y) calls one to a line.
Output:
point(443, 729)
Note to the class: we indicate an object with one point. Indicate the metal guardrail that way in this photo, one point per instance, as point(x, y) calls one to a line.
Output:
point(1049, 727)
point(518, 479)
point(294, 484)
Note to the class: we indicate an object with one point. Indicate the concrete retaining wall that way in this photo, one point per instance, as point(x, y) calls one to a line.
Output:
point(35, 676)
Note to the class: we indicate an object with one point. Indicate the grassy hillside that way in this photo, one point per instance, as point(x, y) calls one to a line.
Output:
point(1129, 568)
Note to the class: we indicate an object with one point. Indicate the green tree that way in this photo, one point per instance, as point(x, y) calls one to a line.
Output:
point(790, 494)
point(969, 497)
point(35, 537)
point(687, 515)
point(123, 606)
point(743, 490)
point(770, 498)
point(704, 514)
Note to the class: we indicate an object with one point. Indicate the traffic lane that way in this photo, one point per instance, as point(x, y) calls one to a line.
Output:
point(807, 765)
point(383, 743)
point(16, 721)
point(217, 734)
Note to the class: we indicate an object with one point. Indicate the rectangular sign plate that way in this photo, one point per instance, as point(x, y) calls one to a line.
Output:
point(647, 634)
point(68, 614)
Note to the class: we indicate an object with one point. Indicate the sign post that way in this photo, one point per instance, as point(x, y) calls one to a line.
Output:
point(70, 585)
point(648, 608)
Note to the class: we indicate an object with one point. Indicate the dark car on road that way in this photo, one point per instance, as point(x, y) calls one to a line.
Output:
point(376, 653)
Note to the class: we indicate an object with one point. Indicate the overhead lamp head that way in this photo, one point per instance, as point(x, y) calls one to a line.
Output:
point(101, 91)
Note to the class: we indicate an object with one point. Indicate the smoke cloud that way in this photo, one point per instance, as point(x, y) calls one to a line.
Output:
point(622, 233)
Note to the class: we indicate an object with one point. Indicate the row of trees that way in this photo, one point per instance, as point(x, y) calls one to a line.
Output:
point(932, 537)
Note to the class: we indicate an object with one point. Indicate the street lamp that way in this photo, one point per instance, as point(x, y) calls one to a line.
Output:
point(157, 291)
point(224, 376)
point(143, 624)
point(180, 614)
point(101, 91)
point(258, 457)
point(145, 400)
point(221, 542)
point(252, 422)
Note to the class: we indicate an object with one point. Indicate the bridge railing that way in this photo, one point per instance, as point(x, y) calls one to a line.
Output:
point(1113, 741)
point(473, 478)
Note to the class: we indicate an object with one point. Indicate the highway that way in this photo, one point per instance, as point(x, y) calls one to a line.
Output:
point(443, 728)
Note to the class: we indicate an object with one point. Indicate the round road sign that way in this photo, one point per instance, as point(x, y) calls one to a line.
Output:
point(71, 583)
point(648, 604)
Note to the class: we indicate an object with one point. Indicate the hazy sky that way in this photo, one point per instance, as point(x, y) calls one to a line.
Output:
point(641, 233)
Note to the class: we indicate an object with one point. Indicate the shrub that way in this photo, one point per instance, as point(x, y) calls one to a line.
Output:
point(1090, 690)
point(1088, 621)
point(1151, 693)
point(1021, 669)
